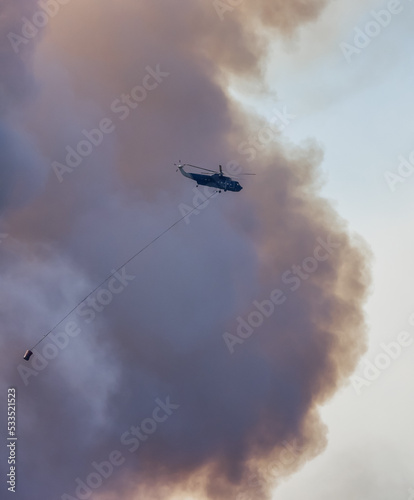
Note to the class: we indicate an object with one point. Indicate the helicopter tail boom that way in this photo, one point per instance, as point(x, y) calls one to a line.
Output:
point(185, 174)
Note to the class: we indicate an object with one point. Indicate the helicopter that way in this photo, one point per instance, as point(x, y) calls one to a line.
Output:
point(215, 180)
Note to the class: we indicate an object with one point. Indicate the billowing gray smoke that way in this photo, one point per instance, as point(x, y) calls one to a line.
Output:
point(198, 370)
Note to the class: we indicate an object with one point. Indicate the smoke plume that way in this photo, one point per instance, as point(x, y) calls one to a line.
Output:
point(233, 328)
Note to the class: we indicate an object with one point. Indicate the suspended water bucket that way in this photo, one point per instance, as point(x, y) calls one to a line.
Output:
point(27, 355)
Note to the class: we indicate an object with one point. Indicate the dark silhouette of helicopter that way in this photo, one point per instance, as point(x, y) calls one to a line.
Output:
point(217, 180)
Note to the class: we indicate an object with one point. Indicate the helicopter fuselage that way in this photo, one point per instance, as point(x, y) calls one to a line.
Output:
point(217, 181)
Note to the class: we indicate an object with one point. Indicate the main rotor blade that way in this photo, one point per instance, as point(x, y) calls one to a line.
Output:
point(200, 168)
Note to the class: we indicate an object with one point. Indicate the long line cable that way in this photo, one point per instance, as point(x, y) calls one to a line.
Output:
point(120, 267)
